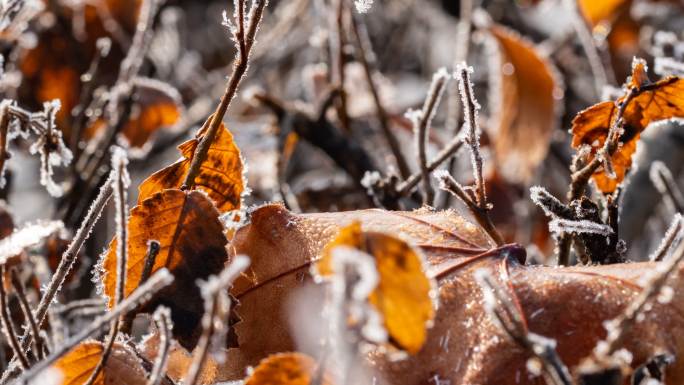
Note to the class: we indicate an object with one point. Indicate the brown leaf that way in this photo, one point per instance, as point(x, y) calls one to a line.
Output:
point(123, 366)
point(157, 107)
point(464, 346)
point(656, 101)
point(526, 90)
point(220, 175)
point(282, 246)
point(403, 296)
point(287, 369)
point(187, 227)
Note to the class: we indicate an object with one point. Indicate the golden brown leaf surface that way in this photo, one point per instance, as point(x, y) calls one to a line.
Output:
point(403, 295)
point(660, 100)
point(596, 12)
point(123, 367)
point(464, 346)
point(179, 360)
point(187, 227)
point(286, 369)
point(220, 175)
point(525, 116)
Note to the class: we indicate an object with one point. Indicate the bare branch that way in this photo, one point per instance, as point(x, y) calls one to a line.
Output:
point(672, 238)
point(8, 325)
point(662, 179)
point(162, 319)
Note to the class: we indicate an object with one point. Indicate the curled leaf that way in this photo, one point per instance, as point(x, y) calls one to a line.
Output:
point(403, 295)
point(123, 366)
point(654, 101)
point(192, 246)
point(525, 90)
point(220, 175)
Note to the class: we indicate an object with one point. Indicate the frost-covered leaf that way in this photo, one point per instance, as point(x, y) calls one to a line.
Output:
point(27, 236)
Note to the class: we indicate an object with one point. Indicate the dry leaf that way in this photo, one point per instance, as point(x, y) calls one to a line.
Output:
point(157, 106)
point(287, 369)
point(524, 92)
point(282, 246)
point(464, 346)
point(604, 11)
point(220, 175)
point(123, 366)
point(403, 296)
point(660, 100)
point(187, 227)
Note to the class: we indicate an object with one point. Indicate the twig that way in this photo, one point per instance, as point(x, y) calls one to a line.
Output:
point(158, 281)
point(447, 152)
point(498, 304)
point(472, 139)
point(37, 342)
point(153, 248)
point(367, 59)
point(213, 292)
point(10, 333)
point(422, 121)
point(4, 129)
point(337, 42)
point(162, 318)
point(121, 179)
point(481, 214)
point(672, 238)
point(240, 67)
point(662, 179)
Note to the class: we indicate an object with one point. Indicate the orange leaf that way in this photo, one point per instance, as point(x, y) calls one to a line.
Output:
point(179, 360)
point(403, 295)
point(654, 101)
point(187, 227)
point(220, 175)
point(123, 366)
point(527, 89)
point(287, 369)
point(596, 12)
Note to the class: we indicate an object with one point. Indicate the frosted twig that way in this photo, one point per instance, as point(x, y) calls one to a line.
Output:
point(481, 214)
point(337, 42)
point(212, 290)
point(665, 183)
point(560, 226)
point(153, 248)
point(130, 66)
point(121, 182)
point(5, 119)
point(162, 319)
point(672, 238)
point(620, 326)
point(239, 69)
point(472, 136)
point(500, 306)
point(37, 344)
point(422, 121)
point(158, 281)
point(8, 325)
point(27, 236)
point(447, 152)
point(363, 6)
point(367, 59)
point(551, 205)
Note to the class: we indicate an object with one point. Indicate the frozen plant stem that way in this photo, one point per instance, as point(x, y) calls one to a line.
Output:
point(162, 319)
point(211, 291)
point(671, 240)
point(367, 59)
point(421, 128)
point(244, 37)
point(8, 326)
point(337, 42)
point(499, 305)
point(37, 345)
point(119, 162)
point(662, 179)
point(447, 152)
point(158, 281)
point(580, 178)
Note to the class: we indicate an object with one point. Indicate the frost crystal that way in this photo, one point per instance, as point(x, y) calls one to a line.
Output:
point(560, 226)
point(534, 366)
point(27, 236)
point(666, 295)
point(363, 6)
point(53, 152)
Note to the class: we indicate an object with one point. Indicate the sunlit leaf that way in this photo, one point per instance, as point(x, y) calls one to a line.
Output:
point(123, 366)
point(657, 101)
point(287, 369)
point(187, 227)
point(220, 175)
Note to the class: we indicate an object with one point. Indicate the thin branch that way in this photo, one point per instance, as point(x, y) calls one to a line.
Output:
point(162, 319)
point(672, 238)
point(481, 215)
point(447, 152)
point(422, 121)
point(367, 59)
point(662, 179)
point(153, 248)
point(4, 145)
point(211, 291)
point(499, 305)
point(37, 341)
point(337, 42)
point(121, 180)
point(472, 138)
point(158, 281)
point(8, 325)
point(240, 67)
